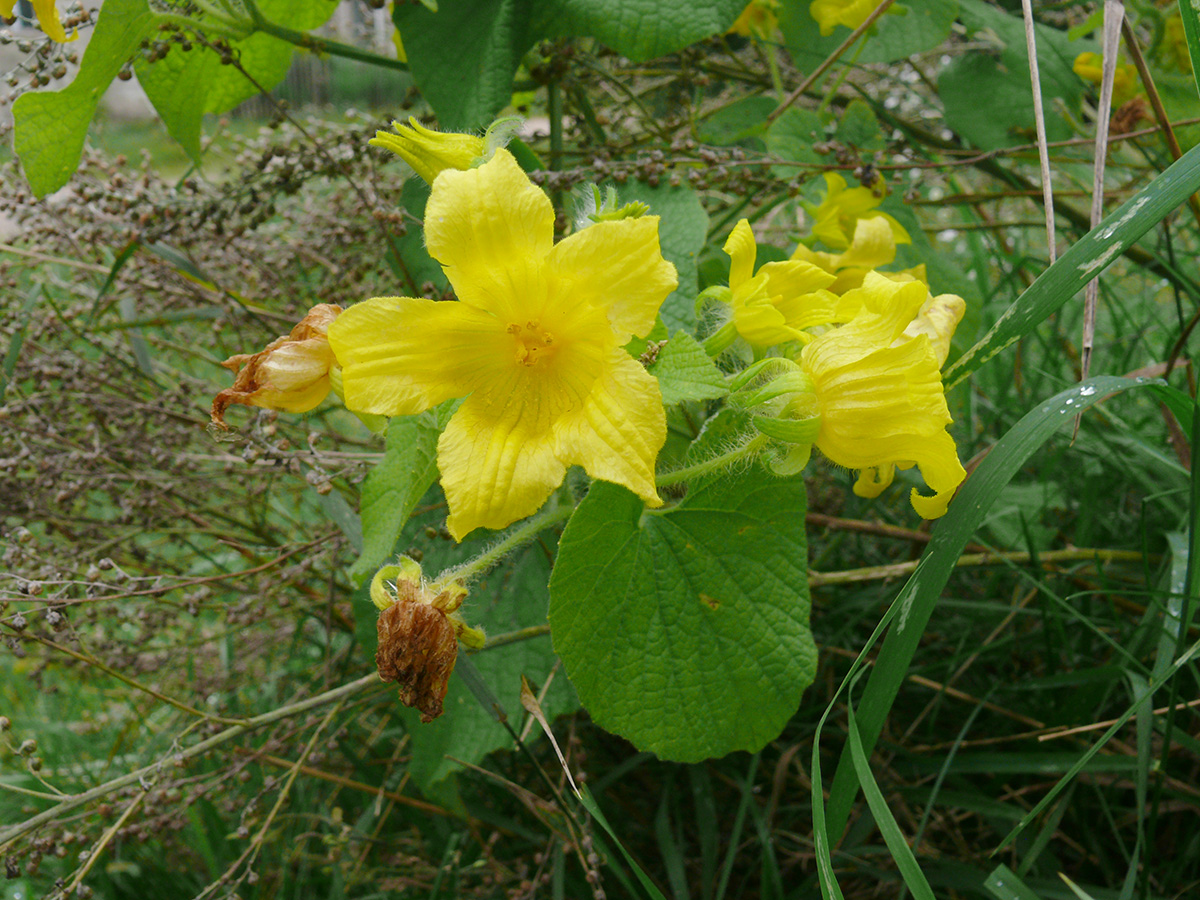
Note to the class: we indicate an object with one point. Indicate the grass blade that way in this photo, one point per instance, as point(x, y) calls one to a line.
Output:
point(910, 871)
point(1084, 261)
point(914, 605)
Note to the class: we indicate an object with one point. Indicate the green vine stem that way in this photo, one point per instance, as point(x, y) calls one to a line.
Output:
point(319, 45)
point(524, 533)
point(687, 473)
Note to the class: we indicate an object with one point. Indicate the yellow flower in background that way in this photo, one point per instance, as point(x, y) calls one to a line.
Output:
point(759, 19)
point(430, 152)
point(291, 374)
point(47, 16)
point(839, 212)
point(873, 245)
point(1090, 67)
point(535, 343)
point(831, 13)
point(772, 307)
point(879, 396)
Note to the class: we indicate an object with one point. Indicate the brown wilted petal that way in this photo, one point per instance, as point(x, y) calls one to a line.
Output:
point(417, 649)
point(290, 374)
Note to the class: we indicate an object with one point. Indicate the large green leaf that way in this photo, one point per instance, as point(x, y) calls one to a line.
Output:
point(185, 85)
point(639, 29)
point(50, 126)
point(1002, 76)
point(911, 27)
point(463, 57)
point(686, 631)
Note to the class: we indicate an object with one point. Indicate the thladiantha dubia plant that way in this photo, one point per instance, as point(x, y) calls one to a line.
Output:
point(679, 584)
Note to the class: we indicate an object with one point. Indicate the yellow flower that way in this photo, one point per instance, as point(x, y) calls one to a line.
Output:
point(47, 16)
point(841, 210)
point(772, 307)
point(535, 344)
point(430, 152)
point(759, 19)
point(831, 13)
point(292, 374)
point(874, 245)
point(879, 396)
point(1090, 67)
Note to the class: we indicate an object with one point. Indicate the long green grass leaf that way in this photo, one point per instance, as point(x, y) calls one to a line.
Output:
point(914, 605)
point(1084, 261)
point(1191, 31)
point(1003, 884)
point(589, 803)
point(906, 862)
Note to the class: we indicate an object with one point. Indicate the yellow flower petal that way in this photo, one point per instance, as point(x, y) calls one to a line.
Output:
point(491, 229)
point(497, 459)
point(937, 319)
point(881, 401)
point(617, 266)
point(742, 251)
point(874, 245)
point(47, 16)
point(403, 355)
point(618, 432)
point(831, 13)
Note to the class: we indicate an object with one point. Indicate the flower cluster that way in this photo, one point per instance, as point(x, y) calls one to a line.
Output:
point(861, 353)
point(533, 350)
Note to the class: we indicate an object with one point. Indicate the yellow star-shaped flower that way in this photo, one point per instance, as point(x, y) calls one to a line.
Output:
point(772, 306)
point(841, 209)
point(534, 343)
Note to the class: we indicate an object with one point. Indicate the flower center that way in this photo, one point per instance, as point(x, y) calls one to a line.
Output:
point(533, 343)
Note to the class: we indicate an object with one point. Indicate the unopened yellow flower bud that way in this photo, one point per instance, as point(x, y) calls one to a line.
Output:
point(430, 152)
point(291, 374)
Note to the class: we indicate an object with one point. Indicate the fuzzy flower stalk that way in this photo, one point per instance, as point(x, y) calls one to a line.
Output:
point(534, 344)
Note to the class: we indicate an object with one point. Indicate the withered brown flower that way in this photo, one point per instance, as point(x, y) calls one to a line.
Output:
point(419, 629)
point(417, 649)
point(290, 374)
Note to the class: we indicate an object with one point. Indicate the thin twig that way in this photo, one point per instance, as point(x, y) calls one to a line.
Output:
point(74, 801)
point(1039, 120)
point(830, 60)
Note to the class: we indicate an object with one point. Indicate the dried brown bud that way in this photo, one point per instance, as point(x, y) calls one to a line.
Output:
point(417, 649)
point(291, 374)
